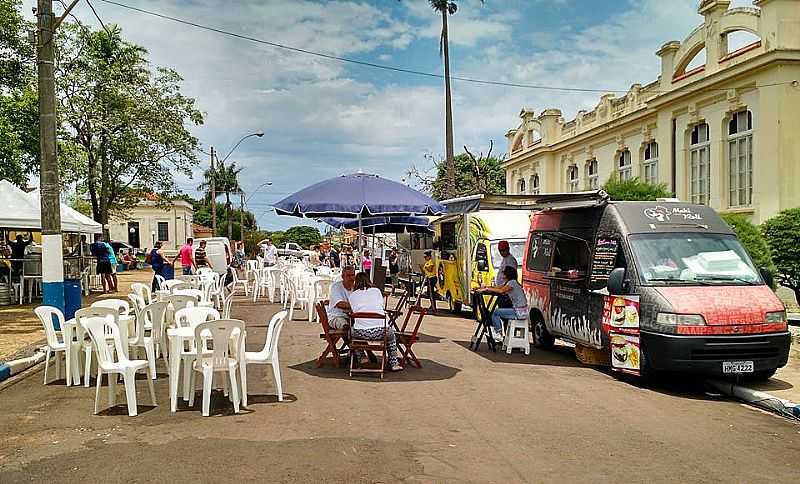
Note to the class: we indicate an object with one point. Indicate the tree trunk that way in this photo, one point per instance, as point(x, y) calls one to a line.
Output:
point(448, 115)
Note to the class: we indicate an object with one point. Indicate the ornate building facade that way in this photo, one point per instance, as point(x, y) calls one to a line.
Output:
point(725, 132)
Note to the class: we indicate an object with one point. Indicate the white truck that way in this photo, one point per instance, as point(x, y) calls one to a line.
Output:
point(290, 249)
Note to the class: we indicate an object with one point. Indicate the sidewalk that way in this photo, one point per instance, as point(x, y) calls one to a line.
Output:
point(20, 329)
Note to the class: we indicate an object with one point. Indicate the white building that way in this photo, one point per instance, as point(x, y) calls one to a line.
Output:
point(725, 133)
point(147, 223)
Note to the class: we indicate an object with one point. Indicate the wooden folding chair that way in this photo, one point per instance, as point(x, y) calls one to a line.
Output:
point(394, 314)
point(331, 336)
point(406, 339)
point(369, 346)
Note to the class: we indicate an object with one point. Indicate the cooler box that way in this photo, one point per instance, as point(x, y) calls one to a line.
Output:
point(72, 297)
point(168, 272)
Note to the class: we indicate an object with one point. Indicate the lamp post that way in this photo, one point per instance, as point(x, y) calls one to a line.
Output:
point(259, 134)
point(243, 202)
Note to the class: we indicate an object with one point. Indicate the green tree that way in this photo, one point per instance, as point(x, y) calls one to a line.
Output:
point(783, 237)
point(126, 117)
point(634, 189)
point(474, 174)
point(19, 113)
point(752, 239)
point(226, 179)
point(303, 235)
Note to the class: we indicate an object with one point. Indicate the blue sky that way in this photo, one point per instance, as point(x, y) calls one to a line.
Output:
point(323, 118)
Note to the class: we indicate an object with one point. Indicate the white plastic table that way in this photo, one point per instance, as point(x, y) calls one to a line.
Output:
point(177, 337)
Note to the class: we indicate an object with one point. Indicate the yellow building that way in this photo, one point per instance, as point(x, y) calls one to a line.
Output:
point(724, 132)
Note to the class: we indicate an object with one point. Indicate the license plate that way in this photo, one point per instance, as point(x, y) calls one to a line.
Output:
point(737, 367)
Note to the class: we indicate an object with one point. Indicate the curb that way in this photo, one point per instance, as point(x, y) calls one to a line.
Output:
point(11, 368)
point(760, 399)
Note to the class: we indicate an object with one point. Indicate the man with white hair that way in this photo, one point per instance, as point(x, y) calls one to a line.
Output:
point(339, 306)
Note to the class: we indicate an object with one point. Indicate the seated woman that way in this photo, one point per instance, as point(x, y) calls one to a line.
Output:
point(368, 299)
point(519, 302)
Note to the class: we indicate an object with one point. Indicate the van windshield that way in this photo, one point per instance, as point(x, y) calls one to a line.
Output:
point(517, 248)
point(692, 259)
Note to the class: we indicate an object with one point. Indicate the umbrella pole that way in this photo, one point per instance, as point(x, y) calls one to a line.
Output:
point(359, 239)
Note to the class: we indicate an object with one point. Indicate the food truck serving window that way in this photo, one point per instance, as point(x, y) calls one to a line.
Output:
point(692, 259)
point(540, 253)
point(448, 238)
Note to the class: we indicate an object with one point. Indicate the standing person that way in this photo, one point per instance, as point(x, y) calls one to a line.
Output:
point(201, 257)
point(186, 255)
point(270, 253)
point(429, 271)
point(112, 259)
point(339, 304)
point(368, 299)
point(394, 269)
point(313, 257)
point(508, 261)
point(239, 257)
point(519, 302)
point(18, 247)
point(158, 262)
point(103, 255)
point(366, 262)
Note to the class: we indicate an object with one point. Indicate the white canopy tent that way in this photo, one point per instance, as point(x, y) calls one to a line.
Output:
point(21, 211)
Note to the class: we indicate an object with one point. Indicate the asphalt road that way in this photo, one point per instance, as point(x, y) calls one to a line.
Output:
point(464, 417)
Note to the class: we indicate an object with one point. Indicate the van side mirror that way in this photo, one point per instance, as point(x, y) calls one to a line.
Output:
point(766, 274)
point(616, 281)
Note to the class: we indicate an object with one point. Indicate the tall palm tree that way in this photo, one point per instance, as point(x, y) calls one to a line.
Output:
point(226, 179)
point(446, 8)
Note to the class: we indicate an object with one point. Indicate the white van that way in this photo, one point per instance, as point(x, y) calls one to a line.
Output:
point(216, 252)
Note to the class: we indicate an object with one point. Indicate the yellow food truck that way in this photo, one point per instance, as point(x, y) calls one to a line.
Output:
point(466, 245)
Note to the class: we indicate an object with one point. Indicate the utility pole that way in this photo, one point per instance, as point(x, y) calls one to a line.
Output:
point(241, 215)
point(213, 196)
point(50, 187)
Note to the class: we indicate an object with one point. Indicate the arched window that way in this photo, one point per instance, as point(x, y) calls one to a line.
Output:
point(650, 163)
point(534, 184)
point(521, 185)
point(740, 159)
point(592, 176)
point(624, 166)
point(572, 178)
point(699, 165)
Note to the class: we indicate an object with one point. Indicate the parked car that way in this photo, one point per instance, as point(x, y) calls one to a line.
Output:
point(292, 250)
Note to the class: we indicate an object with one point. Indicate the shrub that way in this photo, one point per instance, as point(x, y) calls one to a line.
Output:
point(783, 237)
point(634, 189)
point(752, 239)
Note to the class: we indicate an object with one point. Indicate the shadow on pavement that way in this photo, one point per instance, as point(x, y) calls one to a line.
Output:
point(120, 408)
point(557, 356)
point(430, 371)
point(264, 399)
point(771, 384)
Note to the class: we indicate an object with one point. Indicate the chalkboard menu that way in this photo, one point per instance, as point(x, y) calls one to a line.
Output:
point(541, 252)
point(605, 256)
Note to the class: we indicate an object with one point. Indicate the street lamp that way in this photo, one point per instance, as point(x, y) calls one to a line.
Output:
point(244, 202)
point(259, 134)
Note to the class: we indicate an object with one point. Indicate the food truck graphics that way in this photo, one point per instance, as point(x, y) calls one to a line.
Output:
point(469, 259)
point(658, 285)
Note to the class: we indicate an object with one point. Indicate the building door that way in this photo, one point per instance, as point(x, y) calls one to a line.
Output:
point(133, 234)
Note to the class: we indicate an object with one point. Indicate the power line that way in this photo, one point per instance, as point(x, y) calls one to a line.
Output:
point(385, 66)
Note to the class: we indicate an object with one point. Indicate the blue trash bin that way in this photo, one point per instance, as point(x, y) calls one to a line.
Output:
point(73, 297)
point(168, 272)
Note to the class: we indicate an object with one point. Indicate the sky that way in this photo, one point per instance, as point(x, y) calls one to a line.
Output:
point(324, 118)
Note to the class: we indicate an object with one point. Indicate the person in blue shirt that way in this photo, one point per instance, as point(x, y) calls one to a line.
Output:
point(99, 249)
point(157, 262)
point(112, 258)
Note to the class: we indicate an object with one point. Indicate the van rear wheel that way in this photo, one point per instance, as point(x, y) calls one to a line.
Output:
point(541, 337)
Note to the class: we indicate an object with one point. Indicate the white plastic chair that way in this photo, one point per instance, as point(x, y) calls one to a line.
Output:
point(55, 340)
point(268, 355)
point(172, 282)
point(517, 336)
point(181, 285)
point(154, 315)
point(190, 317)
point(160, 282)
point(227, 304)
point(197, 294)
point(239, 283)
point(321, 292)
point(98, 326)
point(143, 291)
point(120, 305)
point(226, 337)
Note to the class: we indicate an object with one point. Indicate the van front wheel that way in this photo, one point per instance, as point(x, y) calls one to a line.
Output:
point(541, 337)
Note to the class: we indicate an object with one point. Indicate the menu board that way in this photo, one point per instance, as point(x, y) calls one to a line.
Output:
point(605, 256)
point(621, 321)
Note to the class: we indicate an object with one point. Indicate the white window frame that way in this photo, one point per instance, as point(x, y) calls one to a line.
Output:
point(700, 167)
point(521, 186)
point(592, 175)
point(573, 183)
point(158, 230)
point(534, 184)
point(624, 165)
point(650, 163)
point(740, 160)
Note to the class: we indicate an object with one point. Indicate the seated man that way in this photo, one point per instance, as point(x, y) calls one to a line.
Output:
point(339, 307)
point(519, 302)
